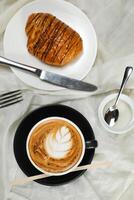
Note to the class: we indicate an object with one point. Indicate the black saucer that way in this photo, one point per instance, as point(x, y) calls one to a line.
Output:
point(30, 120)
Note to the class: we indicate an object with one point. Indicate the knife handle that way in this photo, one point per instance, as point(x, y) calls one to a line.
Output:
point(7, 62)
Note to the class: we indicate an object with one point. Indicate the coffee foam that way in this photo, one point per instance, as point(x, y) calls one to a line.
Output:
point(55, 146)
point(58, 144)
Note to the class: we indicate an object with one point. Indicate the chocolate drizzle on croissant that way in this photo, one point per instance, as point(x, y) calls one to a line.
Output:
point(51, 40)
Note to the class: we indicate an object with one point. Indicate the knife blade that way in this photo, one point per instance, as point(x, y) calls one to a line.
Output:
point(66, 82)
point(51, 77)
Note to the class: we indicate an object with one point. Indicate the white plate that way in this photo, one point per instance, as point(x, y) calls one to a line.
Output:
point(15, 41)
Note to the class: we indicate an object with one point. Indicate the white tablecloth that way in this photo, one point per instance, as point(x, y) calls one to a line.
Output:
point(114, 25)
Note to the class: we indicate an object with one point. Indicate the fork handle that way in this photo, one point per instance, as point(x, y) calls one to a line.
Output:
point(7, 62)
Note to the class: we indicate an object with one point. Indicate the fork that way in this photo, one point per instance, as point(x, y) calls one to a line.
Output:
point(10, 98)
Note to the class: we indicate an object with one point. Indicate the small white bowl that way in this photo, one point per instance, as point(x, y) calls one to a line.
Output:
point(125, 121)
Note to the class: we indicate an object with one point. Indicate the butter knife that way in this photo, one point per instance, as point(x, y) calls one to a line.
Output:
point(51, 77)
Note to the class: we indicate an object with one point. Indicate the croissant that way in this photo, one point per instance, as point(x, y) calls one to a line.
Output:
point(51, 40)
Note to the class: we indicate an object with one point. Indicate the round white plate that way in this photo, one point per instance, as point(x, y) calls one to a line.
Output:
point(15, 41)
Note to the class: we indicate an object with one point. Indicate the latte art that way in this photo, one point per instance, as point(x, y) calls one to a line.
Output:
point(55, 146)
point(58, 144)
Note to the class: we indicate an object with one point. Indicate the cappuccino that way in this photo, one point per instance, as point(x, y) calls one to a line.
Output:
point(55, 145)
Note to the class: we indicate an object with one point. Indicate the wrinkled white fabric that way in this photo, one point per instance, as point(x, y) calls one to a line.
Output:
point(114, 25)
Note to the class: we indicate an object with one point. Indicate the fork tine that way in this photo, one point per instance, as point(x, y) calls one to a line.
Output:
point(10, 99)
point(5, 105)
point(10, 96)
point(8, 93)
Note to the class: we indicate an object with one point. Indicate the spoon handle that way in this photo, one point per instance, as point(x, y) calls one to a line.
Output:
point(127, 73)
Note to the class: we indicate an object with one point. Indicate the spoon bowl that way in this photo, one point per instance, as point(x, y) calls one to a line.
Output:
point(111, 116)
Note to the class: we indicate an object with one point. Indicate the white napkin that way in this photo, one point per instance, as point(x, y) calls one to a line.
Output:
point(113, 22)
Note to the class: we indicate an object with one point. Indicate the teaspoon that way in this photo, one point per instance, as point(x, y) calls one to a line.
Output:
point(112, 114)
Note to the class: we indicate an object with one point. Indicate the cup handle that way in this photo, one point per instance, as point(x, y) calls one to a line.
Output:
point(91, 144)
